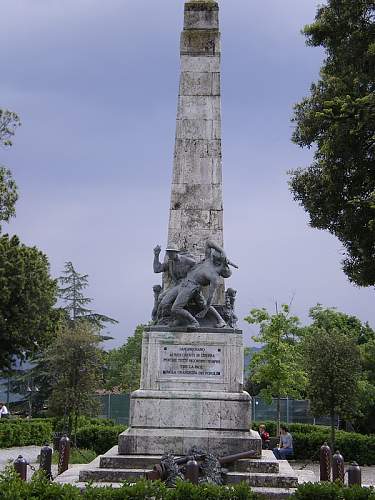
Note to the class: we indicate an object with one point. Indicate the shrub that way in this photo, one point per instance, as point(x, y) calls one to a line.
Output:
point(99, 438)
point(24, 433)
point(297, 427)
point(332, 491)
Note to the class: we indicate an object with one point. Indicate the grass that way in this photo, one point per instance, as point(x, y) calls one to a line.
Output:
point(77, 456)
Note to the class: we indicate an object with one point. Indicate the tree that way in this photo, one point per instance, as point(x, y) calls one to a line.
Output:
point(74, 363)
point(124, 364)
point(332, 363)
point(9, 121)
point(338, 117)
point(27, 297)
point(365, 421)
point(278, 366)
point(71, 293)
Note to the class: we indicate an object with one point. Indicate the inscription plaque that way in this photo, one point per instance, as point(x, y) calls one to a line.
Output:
point(194, 362)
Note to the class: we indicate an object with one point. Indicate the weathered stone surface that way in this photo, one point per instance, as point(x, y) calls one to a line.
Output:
point(180, 441)
point(197, 180)
point(231, 368)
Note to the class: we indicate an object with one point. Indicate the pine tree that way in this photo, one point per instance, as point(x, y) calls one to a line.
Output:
point(71, 292)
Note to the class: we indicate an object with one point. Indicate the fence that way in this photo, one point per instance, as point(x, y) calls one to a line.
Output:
point(116, 407)
point(292, 411)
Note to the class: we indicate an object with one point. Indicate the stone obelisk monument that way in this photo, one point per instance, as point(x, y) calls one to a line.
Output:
point(196, 211)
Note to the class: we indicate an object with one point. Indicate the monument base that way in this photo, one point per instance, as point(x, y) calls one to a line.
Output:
point(191, 395)
point(180, 441)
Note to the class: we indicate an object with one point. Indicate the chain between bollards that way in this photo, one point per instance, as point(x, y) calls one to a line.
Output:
point(64, 453)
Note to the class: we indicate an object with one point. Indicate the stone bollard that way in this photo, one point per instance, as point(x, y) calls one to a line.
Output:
point(20, 466)
point(192, 471)
point(354, 474)
point(45, 461)
point(325, 462)
point(64, 453)
point(338, 469)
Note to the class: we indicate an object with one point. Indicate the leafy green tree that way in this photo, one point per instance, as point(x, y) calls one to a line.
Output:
point(71, 292)
point(333, 366)
point(329, 318)
point(27, 299)
point(278, 366)
point(123, 371)
point(9, 121)
point(365, 422)
point(338, 118)
point(74, 362)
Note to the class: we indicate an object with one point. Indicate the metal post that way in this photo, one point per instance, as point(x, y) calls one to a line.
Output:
point(20, 466)
point(64, 452)
point(109, 406)
point(45, 460)
point(338, 470)
point(287, 410)
point(354, 474)
point(325, 462)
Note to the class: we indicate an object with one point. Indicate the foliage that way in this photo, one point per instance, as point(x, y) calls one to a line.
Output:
point(9, 121)
point(71, 292)
point(100, 438)
point(28, 294)
point(366, 420)
point(332, 365)
point(332, 491)
point(12, 488)
point(74, 363)
point(123, 365)
point(8, 194)
point(338, 117)
point(278, 364)
point(271, 427)
point(24, 432)
point(76, 456)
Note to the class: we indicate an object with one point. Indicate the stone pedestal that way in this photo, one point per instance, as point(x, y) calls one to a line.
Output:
point(191, 394)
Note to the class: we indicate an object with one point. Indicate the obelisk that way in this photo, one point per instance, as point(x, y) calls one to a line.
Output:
point(196, 210)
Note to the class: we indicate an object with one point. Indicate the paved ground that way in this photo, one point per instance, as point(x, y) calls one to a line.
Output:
point(368, 473)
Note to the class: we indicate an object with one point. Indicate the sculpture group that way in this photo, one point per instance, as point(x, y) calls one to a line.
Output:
point(182, 301)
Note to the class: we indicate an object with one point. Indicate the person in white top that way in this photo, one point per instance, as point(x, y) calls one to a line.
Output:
point(4, 413)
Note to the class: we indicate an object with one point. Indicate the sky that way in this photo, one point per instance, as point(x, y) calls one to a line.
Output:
point(95, 84)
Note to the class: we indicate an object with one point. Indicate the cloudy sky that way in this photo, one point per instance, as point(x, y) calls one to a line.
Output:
point(95, 84)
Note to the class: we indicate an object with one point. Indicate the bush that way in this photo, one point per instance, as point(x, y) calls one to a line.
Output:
point(24, 432)
point(99, 438)
point(332, 491)
point(305, 428)
point(77, 456)
point(12, 488)
point(354, 447)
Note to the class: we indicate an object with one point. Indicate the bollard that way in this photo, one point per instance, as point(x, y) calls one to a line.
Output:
point(20, 466)
point(338, 470)
point(325, 462)
point(192, 471)
point(64, 452)
point(354, 474)
point(45, 460)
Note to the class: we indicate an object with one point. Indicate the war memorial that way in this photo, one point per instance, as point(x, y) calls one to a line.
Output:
point(191, 400)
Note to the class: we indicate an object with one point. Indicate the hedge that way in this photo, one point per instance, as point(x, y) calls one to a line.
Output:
point(99, 438)
point(271, 426)
point(12, 488)
point(24, 432)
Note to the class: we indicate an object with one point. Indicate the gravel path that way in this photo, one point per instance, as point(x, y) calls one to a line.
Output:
point(30, 453)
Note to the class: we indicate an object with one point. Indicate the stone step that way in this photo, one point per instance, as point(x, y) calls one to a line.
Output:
point(112, 460)
point(252, 478)
point(263, 480)
point(274, 493)
point(149, 461)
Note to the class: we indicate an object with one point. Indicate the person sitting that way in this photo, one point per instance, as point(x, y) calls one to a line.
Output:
point(285, 449)
point(4, 413)
point(265, 437)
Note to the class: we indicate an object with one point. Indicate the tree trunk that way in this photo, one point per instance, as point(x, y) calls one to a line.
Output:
point(332, 431)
